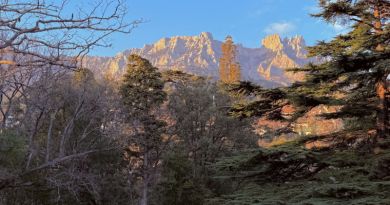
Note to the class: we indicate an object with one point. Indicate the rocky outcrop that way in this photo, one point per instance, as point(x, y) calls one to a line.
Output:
point(311, 124)
point(200, 55)
point(273, 43)
point(289, 53)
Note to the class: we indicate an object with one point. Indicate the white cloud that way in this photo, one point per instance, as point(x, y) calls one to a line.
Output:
point(280, 28)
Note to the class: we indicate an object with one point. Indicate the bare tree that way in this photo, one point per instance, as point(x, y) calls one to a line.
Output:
point(36, 34)
point(65, 121)
point(46, 32)
point(40, 43)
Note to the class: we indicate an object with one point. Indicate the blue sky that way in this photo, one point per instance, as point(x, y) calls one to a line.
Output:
point(247, 21)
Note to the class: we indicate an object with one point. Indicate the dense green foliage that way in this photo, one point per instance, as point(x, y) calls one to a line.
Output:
point(353, 167)
point(353, 73)
point(356, 73)
point(177, 186)
point(293, 175)
point(142, 94)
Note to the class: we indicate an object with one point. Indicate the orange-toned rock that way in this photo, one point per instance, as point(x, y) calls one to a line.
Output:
point(288, 111)
point(313, 124)
point(263, 125)
point(272, 42)
point(284, 138)
point(318, 144)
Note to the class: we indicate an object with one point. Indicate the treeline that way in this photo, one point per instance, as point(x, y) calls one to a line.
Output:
point(67, 137)
point(142, 140)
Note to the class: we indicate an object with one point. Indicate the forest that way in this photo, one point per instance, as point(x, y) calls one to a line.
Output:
point(152, 136)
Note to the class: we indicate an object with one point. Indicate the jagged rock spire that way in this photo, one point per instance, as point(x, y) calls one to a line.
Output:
point(273, 42)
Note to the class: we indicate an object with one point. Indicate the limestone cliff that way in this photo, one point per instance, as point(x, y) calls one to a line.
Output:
point(273, 43)
point(200, 55)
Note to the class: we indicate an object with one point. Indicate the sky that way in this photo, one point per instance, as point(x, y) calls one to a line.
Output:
point(247, 21)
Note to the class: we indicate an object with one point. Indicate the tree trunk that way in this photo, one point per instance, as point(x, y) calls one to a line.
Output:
point(144, 199)
point(383, 109)
point(49, 134)
point(130, 182)
point(31, 146)
point(382, 124)
point(69, 128)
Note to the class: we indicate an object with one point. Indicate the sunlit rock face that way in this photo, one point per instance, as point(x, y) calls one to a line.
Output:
point(273, 43)
point(200, 55)
point(193, 54)
point(312, 123)
point(283, 54)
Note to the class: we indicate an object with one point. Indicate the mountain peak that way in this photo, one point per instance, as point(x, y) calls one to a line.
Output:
point(161, 44)
point(297, 44)
point(272, 42)
point(207, 35)
point(296, 40)
point(200, 54)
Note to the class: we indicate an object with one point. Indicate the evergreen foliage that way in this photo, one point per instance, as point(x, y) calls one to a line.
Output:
point(177, 186)
point(355, 74)
point(142, 94)
point(142, 86)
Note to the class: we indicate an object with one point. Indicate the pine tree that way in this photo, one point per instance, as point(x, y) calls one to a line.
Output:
point(268, 102)
point(359, 61)
point(142, 94)
point(142, 88)
point(229, 69)
point(354, 74)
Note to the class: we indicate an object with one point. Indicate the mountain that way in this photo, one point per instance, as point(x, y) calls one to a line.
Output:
point(200, 55)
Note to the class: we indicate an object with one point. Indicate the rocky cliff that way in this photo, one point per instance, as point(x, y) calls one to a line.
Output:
point(200, 55)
